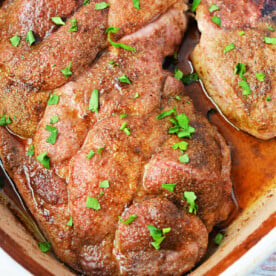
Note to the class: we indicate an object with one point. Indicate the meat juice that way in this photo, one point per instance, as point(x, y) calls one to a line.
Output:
point(253, 160)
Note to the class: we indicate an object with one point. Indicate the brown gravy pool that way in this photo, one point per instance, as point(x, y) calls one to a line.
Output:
point(253, 160)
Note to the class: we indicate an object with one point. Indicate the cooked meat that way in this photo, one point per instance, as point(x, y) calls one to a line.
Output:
point(184, 245)
point(114, 162)
point(40, 69)
point(248, 101)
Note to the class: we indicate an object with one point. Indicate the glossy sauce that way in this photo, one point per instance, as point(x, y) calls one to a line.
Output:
point(253, 160)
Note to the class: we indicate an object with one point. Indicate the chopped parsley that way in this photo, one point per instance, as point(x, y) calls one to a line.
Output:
point(184, 158)
point(101, 5)
point(190, 197)
point(122, 116)
point(44, 160)
point(115, 44)
point(93, 203)
point(53, 100)
point(185, 129)
point(15, 40)
point(100, 151)
point(94, 101)
point(85, 2)
point(53, 136)
point(216, 20)
point(57, 20)
point(268, 98)
point(241, 33)
point(54, 119)
point(178, 74)
point(166, 113)
point(90, 154)
point(74, 26)
point(195, 4)
point(136, 95)
point(270, 40)
point(130, 219)
point(136, 4)
point(124, 79)
point(181, 145)
point(5, 121)
point(189, 78)
point(213, 8)
point(30, 37)
point(125, 129)
point(104, 184)
point(157, 235)
point(70, 221)
point(67, 70)
point(44, 246)
point(169, 187)
point(229, 47)
point(246, 88)
point(218, 238)
point(271, 28)
point(240, 69)
point(30, 150)
point(113, 63)
point(178, 98)
point(260, 76)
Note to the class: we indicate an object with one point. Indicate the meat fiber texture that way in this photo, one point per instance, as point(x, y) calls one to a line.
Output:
point(245, 24)
point(134, 161)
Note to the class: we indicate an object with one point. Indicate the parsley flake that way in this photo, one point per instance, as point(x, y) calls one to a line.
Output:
point(190, 197)
point(85, 2)
point(189, 78)
point(30, 37)
point(157, 235)
point(260, 76)
point(229, 47)
point(181, 145)
point(67, 70)
point(101, 5)
point(100, 151)
point(54, 119)
point(44, 160)
point(240, 69)
point(195, 4)
point(169, 187)
point(178, 74)
point(244, 84)
point(57, 20)
point(15, 40)
point(53, 100)
point(44, 246)
point(136, 95)
point(128, 221)
point(124, 79)
point(70, 221)
point(30, 150)
point(93, 203)
point(136, 4)
point(213, 8)
point(104, 184)
point(115, 44)
point(94, 101)
point(271, 28)
point(5, 121)
point(218, 238)
point(184, 158)
point(268, 98)
point(241, 33)
point(53, 136)
point(166, 113)
point(122, 116)
point(270, 40)
point(74, 26)
point(216, 20)
point(90, 154)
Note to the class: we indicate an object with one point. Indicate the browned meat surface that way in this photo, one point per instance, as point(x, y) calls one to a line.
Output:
point(134, 156)
point(39, 68)
point(253, 109)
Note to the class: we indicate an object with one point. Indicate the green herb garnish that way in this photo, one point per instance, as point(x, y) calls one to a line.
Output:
point(53, 136)
point(130, 219)
point(218, 238)
point(136, 4)
point(101, 5)
point(54, 119)
point(70, 221)
point(229, 47)
point(169, 187)
point(57, 20)
point(15, 40)
point(213, 8)
point(53, 100)
point(90, 154)
point(94, 101)
point(67, 71)
point(216, 20)
point(246, 88)
point(270, 40)
point(44, 246)
point(157, 235)
point(195, 4)
point(124, 79)
point(190, 197)
point(260, 76)
point(44, 160)
point(30, 37)
point(30, 150)
point(74, 26)
point(93, 203)
point(104, 184)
